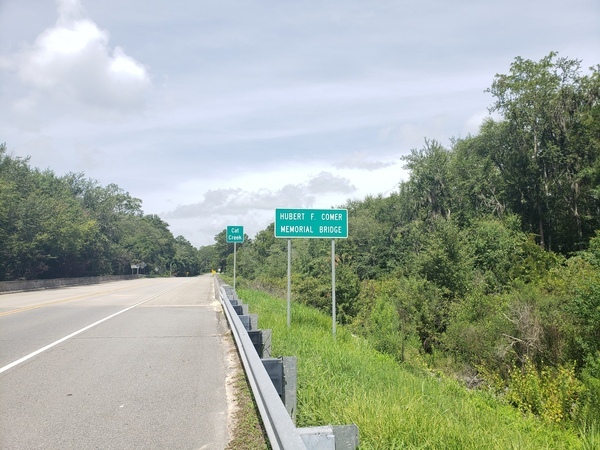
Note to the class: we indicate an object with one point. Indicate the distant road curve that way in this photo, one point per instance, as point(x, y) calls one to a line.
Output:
point(121, 365)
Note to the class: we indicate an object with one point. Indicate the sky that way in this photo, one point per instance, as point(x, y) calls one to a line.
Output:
point(217, 113)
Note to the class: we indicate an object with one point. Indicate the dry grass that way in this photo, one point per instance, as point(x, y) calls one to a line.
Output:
point(247, 432)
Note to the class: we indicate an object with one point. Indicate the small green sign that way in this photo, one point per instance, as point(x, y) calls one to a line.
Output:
point(311, 223)
point(235, 234)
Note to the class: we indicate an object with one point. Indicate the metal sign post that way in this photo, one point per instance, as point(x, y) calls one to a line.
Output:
point(234, 262)
point(333, 305)
point(289, 284)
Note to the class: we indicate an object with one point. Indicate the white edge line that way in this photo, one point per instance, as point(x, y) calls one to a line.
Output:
point(43, 349)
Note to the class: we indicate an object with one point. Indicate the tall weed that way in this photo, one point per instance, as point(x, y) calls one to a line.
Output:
point(345, 380)
point(551, 393)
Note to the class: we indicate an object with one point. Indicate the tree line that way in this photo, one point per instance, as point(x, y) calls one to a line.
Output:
point(485, 263)
point(70, 226)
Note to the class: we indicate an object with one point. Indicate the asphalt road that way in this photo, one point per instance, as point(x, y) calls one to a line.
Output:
point(139, 364)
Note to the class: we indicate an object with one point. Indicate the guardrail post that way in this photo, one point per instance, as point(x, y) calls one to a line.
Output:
point(250, 321)
point(330, 437)
point(290, 375)
point(262, 342)
point(282, 372)
point(241, 309)
point(266, 338)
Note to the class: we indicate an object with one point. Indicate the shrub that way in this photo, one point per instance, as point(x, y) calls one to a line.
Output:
point(385, 331)
point(551, 393)
point(589, 411)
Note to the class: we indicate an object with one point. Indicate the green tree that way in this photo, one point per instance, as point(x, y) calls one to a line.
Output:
point(430, 180)
point(478, 188)
point(148, 239)
point(374, 224)
point(444, 259)
point(45, 231)
point(495, 246)
point(186, 260)
point(222, 251)
point(547, 147)
point(207, 258)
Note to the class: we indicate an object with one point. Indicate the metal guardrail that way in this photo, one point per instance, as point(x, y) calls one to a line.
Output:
point(281, 431)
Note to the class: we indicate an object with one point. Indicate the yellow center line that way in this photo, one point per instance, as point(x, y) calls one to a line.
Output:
point(55, 302)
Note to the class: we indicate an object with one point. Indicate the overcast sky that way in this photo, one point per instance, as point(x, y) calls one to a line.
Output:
point(216, 113)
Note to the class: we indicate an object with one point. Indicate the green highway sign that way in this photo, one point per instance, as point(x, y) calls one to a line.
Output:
point(311, 223)
point(235, 234)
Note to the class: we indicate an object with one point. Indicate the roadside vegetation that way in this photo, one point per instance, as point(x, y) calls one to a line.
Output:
point(403, 406)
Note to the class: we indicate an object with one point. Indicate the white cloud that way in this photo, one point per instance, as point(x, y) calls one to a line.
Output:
point(326, 182)
point(362, 160)
point(253, 206)
point(69, 10)
point(73, 64)
point(233, 201)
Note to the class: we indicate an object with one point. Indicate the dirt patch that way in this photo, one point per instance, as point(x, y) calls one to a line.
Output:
point(244, 425)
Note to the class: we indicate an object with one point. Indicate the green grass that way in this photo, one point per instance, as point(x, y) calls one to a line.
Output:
point(395, 407)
